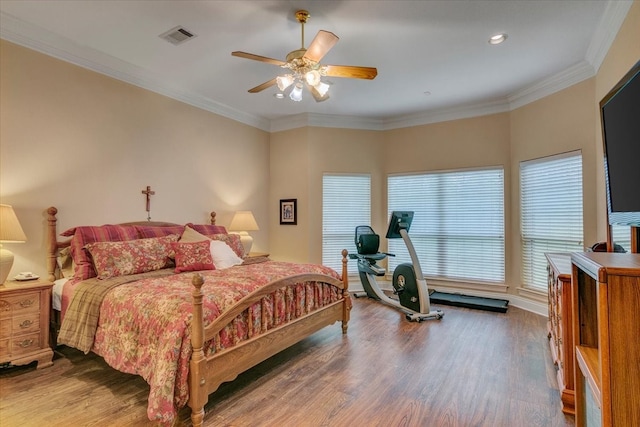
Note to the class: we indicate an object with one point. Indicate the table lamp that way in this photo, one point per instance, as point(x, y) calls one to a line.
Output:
point(242, 222)
point(10, 232)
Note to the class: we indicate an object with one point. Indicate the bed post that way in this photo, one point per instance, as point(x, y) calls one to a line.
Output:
point(212, 220)
point(346, 308)
point(52, 243)
point(197, 365)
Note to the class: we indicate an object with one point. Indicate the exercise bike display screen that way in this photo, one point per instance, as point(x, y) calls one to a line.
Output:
point(400, 220)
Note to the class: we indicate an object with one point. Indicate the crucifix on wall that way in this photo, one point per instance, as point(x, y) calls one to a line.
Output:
point(148, 193)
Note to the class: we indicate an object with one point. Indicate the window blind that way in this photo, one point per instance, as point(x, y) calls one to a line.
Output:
point(621, 235)
point(458, 223)
point(550, 213)
point(346, 204)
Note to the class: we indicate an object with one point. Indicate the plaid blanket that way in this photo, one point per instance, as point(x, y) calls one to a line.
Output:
point(80, 322)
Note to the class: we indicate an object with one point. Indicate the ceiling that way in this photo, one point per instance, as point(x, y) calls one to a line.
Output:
point(433, 57)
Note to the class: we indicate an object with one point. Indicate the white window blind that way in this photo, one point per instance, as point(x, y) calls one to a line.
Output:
point(621, 235)
point(458, 223)
point(551, 213)
point(346, 204)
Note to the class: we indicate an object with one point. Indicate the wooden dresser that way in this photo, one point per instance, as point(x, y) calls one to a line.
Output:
point(24, 323)
point(560, 325)
point(606, 331)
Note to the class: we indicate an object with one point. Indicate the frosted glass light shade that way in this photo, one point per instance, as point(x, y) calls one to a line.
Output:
point(284, 81)
point(296, 93)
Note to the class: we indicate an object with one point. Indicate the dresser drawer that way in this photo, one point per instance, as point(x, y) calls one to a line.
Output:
point(25, 324)
point(24, 303)
point(25, 344)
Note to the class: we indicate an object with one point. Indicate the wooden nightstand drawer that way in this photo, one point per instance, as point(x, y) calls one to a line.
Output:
point(25, 344)
point(18, 304)
point(25, 324)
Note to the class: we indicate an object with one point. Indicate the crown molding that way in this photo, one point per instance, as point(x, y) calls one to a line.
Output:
point(606, 32)
point(551, 85)
point(325, 120)
point(444, 115)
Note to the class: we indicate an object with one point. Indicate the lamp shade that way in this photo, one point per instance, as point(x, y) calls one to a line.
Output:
point(10, 232)
point(243, 221)
point(10, 229)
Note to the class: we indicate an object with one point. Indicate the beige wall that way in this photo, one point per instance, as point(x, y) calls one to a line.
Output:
point(89, 145)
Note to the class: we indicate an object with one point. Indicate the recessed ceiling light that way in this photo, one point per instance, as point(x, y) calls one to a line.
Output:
point(279, 95)
point(498, 38)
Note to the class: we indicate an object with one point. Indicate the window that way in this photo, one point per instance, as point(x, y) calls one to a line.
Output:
point(550, 213)
point(346, 203)
point(458, 223)
point(621, 235)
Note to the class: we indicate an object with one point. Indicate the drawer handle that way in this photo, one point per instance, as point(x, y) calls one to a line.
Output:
point(26, 303)
point(26, 343)
point(26, 324)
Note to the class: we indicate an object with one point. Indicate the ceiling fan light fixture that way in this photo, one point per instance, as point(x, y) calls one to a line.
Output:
point(296, 93)
point(322, 88)
point(284, 82)
point(312, 77)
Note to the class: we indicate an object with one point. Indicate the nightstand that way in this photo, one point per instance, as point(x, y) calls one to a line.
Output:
point(24, 323)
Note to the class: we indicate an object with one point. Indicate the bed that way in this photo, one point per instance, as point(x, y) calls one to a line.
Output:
point(182, 325)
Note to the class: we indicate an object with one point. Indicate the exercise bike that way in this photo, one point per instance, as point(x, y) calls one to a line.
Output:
point(408, 282)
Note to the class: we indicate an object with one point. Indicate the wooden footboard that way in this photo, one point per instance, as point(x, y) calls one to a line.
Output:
point(206, 374)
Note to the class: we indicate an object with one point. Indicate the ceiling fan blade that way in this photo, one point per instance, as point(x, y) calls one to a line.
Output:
point(258, 58)
point(321, 44)
point(263, 86)
point(350, 71)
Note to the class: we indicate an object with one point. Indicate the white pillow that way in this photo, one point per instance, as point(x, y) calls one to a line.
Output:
point(223, 256)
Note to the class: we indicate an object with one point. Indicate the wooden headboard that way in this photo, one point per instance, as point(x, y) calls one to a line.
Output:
point(54, 245)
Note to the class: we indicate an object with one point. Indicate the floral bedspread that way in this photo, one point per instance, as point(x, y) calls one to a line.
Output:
point(144, 328)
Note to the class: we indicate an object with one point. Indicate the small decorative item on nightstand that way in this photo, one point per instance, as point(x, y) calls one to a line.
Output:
point(24, 323)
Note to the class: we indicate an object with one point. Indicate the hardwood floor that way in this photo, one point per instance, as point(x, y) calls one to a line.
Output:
point(472, 368)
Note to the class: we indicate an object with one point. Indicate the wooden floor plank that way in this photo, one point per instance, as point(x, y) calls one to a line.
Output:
point(472, 368)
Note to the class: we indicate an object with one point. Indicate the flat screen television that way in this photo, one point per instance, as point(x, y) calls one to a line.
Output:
point(620, 115)
point(400, 220)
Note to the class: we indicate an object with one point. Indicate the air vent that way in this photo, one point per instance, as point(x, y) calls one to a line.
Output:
point(177, 35)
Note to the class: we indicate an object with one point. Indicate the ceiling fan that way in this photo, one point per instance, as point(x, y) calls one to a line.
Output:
point(305, 68)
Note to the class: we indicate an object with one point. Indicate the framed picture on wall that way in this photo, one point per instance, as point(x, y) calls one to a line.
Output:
point(288, 211)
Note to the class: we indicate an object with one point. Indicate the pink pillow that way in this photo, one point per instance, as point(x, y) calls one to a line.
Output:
point(208, 229)
point(147, 231)
point(233, 240)
point(82, 236)
point(112, 259)
point(193, 256)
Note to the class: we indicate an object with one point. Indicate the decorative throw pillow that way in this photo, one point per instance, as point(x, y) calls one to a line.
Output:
point(189, 235)
point(193, 256)
point(112, 259)
point(223, 256)
point(233, 240)
point(90, 234)
point(147, 231)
